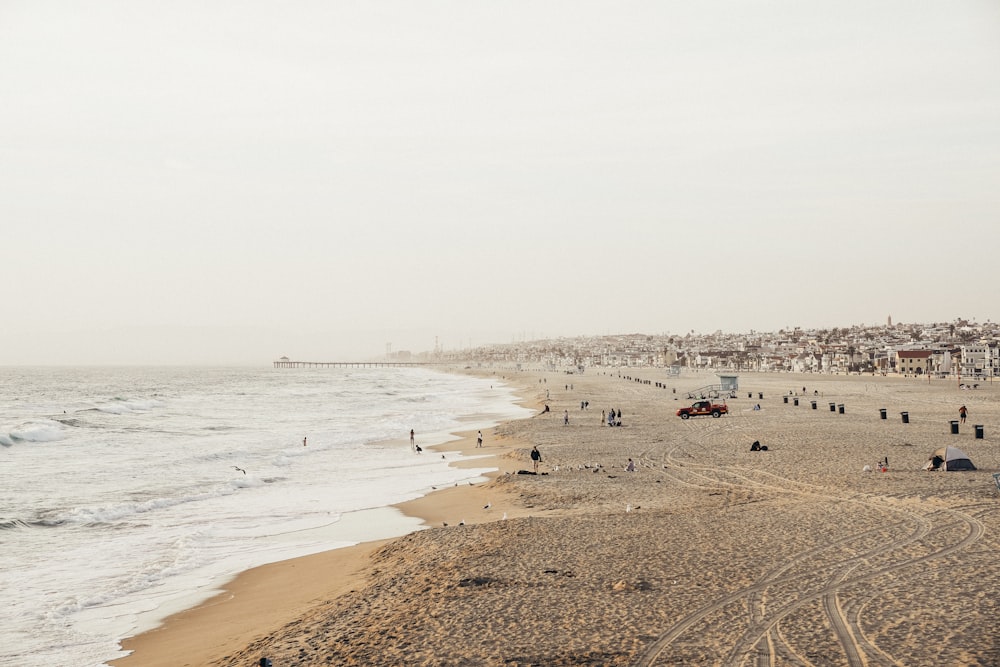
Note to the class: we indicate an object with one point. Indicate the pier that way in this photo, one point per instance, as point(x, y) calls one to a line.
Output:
point(288, 363)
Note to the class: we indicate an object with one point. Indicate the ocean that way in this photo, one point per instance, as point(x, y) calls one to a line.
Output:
point(131, 493)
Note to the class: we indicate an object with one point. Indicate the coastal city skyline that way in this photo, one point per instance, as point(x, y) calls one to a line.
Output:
point(228, 183)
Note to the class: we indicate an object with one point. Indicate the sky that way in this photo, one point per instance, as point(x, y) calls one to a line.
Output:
point(229, 182)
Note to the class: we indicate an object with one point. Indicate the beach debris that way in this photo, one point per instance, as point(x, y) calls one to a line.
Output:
point(622, 585)
point(462, 522)
point(487, 506)
point(567, 573)
point(476, 581)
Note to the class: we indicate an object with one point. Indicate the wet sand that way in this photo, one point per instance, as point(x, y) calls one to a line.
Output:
point(707, 554)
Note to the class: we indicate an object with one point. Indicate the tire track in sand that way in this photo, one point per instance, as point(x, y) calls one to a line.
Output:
point(762, 640)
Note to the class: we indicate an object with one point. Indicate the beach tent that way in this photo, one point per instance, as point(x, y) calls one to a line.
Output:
point(954, 459)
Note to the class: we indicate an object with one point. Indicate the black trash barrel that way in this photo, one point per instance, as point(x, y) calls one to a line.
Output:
point(954, 427)
point(813, 404)
point(784, 399)
point(881, 413)
point(760, 395)
point(795, 401)
point(833, 407)
point(979, 431)
point(840, 408)
point(906, 417)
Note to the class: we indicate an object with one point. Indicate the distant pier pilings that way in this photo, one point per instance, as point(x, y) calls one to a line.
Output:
point(286, 363)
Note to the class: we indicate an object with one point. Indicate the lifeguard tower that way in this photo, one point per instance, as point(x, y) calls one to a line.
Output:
point(728, 386)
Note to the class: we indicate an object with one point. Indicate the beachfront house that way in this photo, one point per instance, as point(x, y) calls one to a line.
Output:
point(975, 360)
point(913, 362)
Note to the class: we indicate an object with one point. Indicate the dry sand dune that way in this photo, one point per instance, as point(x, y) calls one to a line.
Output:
point(707, 554)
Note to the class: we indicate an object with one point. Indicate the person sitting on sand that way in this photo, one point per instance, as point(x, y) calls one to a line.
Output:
point(630, 466)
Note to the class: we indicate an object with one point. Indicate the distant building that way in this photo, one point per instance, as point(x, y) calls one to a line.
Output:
point(913, 362)
point(975, 360)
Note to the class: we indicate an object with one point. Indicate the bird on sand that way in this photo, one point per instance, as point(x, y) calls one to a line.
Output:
point(240, 469)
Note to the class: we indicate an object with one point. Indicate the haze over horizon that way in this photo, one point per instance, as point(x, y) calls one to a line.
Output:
point(226, 183)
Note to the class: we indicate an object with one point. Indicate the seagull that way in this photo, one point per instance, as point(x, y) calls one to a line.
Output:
point(628, 508)
point(240, 469)
point(504, 517)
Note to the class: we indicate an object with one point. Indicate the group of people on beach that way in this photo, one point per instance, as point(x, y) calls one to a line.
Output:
point(417, 449)
point(614, 418)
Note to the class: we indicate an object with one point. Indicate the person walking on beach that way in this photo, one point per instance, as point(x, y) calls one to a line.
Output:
point(303, 442)
point(962, 412)
point(413, 443)
point(479, 439)
point(536, 457)
point(565, 417)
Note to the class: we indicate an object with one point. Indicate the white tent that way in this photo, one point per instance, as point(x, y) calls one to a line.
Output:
point(950, 458)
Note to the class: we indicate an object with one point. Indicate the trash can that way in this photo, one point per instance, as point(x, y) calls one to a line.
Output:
point(906, 417)
point(784, 399)
point(760, 395)
point(954, 427)
point(795, 401)
point(881, 413)
point(979, 431)
point(840, 408)
point(813, 404)
point(833, 407)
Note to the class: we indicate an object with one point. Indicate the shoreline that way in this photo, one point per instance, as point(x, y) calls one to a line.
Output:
point(256, 600)
point(709, 553)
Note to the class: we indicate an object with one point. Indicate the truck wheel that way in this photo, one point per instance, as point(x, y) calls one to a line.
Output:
point(716, 414)
point(684, 415)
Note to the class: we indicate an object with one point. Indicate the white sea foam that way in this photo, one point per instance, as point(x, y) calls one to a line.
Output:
point(123, 502)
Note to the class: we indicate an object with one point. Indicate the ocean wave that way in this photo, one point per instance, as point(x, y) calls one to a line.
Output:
point(35, 430)
point(122, 406)
point(123, 511)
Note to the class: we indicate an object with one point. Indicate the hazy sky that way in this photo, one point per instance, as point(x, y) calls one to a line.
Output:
point(232, 181)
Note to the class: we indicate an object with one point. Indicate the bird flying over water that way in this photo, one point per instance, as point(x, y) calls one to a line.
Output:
point(240, 469)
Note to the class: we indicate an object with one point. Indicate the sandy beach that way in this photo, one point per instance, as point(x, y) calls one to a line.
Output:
point(707, 554)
